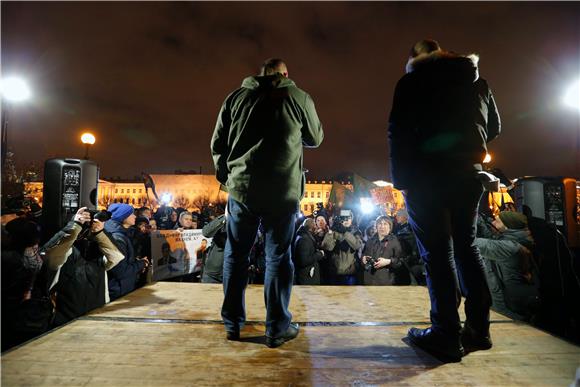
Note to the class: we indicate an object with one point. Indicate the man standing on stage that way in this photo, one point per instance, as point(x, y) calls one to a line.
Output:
point(257, 152)
point(443, 115)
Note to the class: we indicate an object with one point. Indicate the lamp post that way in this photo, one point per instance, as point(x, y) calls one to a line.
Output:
point(572, 100)
point(13, 90)
point(88, 139)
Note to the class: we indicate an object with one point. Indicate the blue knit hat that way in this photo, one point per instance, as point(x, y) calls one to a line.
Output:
point(120, 211)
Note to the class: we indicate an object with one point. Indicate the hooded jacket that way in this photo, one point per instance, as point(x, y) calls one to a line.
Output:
point(306, 257)
point(258, 139)
point(513, 294)
point(442, 116)
point(122, 277)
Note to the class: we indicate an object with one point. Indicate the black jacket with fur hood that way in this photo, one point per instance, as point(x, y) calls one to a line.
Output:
point(443, 115)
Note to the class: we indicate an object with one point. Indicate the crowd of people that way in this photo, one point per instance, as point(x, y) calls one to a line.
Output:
point(97, 258)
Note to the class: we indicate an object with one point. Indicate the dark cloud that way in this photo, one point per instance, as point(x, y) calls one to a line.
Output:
point(149, 77)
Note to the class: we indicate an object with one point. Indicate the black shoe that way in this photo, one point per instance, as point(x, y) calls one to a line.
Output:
point(290, 334)
point(474, 341)
point(233, 335)
point(446, 349)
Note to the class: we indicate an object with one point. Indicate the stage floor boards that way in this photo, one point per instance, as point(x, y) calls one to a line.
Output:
point(170, 334)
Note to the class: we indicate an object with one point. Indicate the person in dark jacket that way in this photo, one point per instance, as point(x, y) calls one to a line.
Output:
point(386, 252)
point(306, 255)
point(443, 115)
point(257, 149)
point(511, 272)
point(213, 266)
point(123, 277)
point(411, 257)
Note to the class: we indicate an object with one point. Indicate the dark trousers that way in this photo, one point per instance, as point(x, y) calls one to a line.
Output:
point(443, 217)
point(242, 227)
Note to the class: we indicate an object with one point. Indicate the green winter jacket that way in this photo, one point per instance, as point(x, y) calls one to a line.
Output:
point(258, 139)
point(512, 294)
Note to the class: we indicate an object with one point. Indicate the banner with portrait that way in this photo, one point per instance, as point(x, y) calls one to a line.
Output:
point(176, 253)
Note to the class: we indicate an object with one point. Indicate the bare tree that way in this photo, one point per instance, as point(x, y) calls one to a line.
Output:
point(181, 201)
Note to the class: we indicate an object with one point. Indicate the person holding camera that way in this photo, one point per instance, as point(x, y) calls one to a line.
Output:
point(382, 257)
point(343, 242)
point(123, 277)
point(80, 254)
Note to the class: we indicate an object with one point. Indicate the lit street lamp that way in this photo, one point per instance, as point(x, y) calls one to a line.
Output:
point(88, 139)
point(13, 90)
point(487, 158)
point(572, 100)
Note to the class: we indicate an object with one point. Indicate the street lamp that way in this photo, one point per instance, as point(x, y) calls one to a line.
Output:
point(572, 100)
point(13, 90)
point(487, 158)
point(88, 139)
point(572, 96)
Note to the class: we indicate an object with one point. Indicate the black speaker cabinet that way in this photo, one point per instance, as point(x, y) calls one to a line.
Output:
point(69, 184)
point(553, 199)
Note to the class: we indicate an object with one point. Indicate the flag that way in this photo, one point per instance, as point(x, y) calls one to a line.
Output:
point(149, 183)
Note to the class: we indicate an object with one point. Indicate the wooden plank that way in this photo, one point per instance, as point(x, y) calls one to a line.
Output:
point(116, 353)
point(170, 300)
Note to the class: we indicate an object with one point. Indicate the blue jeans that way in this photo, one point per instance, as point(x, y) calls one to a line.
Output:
point(242, 227)
point(443, 216)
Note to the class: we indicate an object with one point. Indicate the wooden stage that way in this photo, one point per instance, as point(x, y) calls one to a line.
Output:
point(170, 334)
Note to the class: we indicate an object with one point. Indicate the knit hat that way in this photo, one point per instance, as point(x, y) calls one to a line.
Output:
point(513, 220)
point(120, 211)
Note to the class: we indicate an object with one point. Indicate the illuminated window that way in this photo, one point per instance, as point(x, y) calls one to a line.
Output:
point(122, 190)
point(306, 194)
point(306, 207)
point(312, 208)
point(312, 194)
point(116, 190)
point(318, 194)
point(327, 194)
point(134, 190)
point(140, 190)
point(133, 201)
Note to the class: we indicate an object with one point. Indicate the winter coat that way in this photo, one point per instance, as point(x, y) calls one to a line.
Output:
point(213, 266)
point(513, 294)
point(258, 139)
point(123, 277)
point(442, 116)
point(80, 282)
point(343, 248)
point(305, 258)
point(390, 248)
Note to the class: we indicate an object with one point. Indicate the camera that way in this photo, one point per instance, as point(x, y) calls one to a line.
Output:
point(370, 265)
point(102, 216)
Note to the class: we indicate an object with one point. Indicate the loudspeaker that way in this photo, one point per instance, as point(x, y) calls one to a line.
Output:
point(553, 199)
point(69, 184)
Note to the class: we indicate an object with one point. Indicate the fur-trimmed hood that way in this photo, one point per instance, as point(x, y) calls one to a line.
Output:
point(446, 63)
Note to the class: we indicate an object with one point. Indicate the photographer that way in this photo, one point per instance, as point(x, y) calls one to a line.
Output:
point(382, 257)
point(343, 242)
point(79, 256)
point(306, 255)
point(123, 277)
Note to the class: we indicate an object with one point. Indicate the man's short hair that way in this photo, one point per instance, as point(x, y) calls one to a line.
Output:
point(272, 66)
point(424, 47)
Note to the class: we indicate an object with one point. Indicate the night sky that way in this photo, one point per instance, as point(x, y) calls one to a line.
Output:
point(148, 78)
